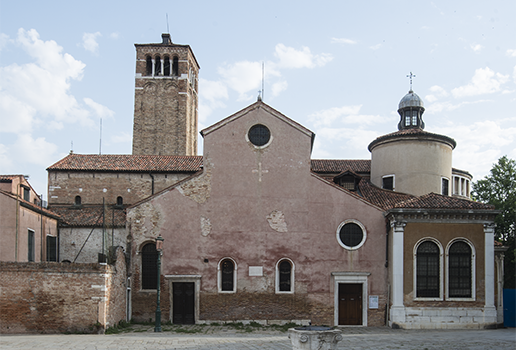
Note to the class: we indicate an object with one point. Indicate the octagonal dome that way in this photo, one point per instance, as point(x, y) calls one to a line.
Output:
point(411, 100)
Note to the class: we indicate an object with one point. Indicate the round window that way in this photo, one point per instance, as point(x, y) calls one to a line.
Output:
point(351, 234)
point(259, 135)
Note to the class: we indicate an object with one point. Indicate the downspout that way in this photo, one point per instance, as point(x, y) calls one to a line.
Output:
point(17, 221)
point(41, 229)
point(387, 229)
point(152, 188)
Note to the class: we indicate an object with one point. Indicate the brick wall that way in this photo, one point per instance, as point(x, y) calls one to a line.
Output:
point(94, 186)
point(61, 297)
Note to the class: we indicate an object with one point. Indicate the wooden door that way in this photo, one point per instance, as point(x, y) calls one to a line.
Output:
point(350, 304)
point(183, 303)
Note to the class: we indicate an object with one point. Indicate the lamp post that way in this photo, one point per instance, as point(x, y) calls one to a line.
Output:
point(159, 249)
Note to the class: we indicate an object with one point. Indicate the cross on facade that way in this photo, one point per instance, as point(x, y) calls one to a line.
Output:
point(260, 171)
point(411, 76)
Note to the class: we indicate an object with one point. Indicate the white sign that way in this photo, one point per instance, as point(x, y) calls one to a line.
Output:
point(256, 271)
point(373, 301)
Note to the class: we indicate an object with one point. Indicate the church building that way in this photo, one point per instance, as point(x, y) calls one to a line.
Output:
point(257, 230)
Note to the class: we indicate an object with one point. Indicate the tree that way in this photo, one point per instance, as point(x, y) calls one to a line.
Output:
point(499, 189)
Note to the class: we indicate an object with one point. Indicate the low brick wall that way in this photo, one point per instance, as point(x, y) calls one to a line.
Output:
point(60, 297)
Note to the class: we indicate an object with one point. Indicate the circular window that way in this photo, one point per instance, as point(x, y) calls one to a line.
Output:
point(351, 234)
point(259, 135)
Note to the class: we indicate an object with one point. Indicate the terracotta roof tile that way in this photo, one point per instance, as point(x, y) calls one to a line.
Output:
point(411, 133)
point(90, 216)
point(337, 166)
point(384, 199)
point(127, 163)
point(438, 201)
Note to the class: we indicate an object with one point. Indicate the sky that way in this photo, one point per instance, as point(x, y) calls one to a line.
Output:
point(338, 68)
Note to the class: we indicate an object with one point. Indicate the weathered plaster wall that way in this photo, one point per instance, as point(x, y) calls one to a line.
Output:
point(72, 240)
point(258, 206)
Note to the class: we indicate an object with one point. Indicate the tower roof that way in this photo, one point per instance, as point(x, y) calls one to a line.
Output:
point(411, 99)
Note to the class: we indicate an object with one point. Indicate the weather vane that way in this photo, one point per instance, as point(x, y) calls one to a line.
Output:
point(411, 76)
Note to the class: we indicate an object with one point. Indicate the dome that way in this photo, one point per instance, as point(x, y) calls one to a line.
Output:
point(411, 100)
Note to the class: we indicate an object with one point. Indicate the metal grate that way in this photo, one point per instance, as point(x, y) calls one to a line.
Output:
point(460, 270)
point(351, 235)
point(259, 135)
point(427, 270)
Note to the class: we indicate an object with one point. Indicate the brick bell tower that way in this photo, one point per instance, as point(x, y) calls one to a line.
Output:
point(165, 99)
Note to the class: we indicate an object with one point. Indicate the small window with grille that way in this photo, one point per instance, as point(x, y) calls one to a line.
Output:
point(259, 135)
point(351, 234)
point(226, 276)
point(459, 274)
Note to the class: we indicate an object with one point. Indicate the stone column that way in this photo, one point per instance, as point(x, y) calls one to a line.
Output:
point(490, 310)
point(397, 308)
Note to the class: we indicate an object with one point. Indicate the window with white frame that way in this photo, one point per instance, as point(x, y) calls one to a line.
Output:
point(31, 249)
point(388, 182)
point(445, 185)
point(351, 234)
point(227, 276)
point(461, 270)
point(428, 269)
point(285, 276)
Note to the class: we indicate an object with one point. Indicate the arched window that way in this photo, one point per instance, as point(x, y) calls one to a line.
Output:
point(175, 66)
point(460, 270)
point(157, 66)
point(149, 266)
point(148, 67)
point(428, 268)
point(119, 201)
point(78, 200)
point(285, 276)
point(227, 276)
point(166, 66)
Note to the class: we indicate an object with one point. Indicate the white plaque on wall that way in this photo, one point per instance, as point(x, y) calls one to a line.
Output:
point(256, 271)
point(373, 301)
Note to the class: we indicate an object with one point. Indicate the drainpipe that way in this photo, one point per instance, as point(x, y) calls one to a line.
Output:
point(41, 229)
point(17, 221)
point(152, 188)
point(387, 229)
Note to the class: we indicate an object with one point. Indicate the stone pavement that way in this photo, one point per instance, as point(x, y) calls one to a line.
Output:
point(216, 338)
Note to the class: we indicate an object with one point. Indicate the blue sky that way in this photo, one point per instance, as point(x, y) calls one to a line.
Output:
point(337, 67)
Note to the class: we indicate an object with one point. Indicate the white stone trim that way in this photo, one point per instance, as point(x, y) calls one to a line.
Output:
point(196, 279)
point(350, 278)
point(473, 270)
point(441, 266)
point(393, 180)
point(349, 221)
point(489, 265)
point(292, 277)
point(219, 276)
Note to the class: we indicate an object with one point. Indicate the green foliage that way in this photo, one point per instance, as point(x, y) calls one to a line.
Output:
point(121, 327)
point(499, 189)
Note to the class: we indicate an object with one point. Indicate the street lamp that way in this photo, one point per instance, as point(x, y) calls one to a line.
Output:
point(159, 249)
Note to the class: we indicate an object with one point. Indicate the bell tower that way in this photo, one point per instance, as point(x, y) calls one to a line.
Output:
point(165, 99)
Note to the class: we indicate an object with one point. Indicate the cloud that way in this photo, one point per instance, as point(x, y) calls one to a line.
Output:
point(485, 81)
point(278, 87)
point(342, 41)
point(478, 144)
point(476, 47)
point(89, 42)
point(328, 116)
point(100, 110)
point(36, 151)
point(375, 47)
point(210, 97)
point(289, 57)
point(243, 77)
point(511, 52)
point(437, 92)
point(122, 138)
point(114, 35)
point(4, 39)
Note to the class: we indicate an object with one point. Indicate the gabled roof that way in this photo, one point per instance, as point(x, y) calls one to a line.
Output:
point(257, 105)
point(34, 207)
point(90, 216)
point(127, 163)
point(9, 178)
point(337, 166)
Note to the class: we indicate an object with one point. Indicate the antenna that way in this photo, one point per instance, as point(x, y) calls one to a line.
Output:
point(263, 69)
point(168, 31)
point(71, 146)
point(411, 76)
point(100, 144)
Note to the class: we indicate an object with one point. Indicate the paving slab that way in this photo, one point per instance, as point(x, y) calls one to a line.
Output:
point(214, 338)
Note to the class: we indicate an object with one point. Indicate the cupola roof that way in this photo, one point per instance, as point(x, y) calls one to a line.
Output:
point(411, 100)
